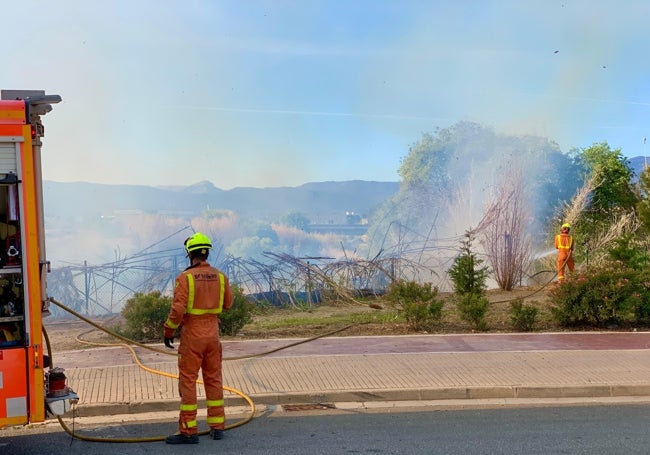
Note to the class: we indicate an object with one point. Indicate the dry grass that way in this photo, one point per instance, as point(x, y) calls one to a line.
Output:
point(306, 322)
point(321, 319)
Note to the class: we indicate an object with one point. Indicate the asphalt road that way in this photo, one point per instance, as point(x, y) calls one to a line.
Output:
point(589, 430)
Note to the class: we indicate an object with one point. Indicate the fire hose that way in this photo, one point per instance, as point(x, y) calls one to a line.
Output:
point(127, 343)
point(541, 288)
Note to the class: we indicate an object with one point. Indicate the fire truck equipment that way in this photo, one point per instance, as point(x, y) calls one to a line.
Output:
point(27, 391)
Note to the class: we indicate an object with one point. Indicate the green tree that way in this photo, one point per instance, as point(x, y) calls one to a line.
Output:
point(425, 167)
point(643, 205)
point(613, 176)
point(630, 251)
point(612, 198)
point(467, 273)
point(444, 176)
point(295, 219)
point(558, 179)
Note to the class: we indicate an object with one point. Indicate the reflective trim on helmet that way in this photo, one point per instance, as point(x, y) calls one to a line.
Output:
point(197, 241)
point(198, 246)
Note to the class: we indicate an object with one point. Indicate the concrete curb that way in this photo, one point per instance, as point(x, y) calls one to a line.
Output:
point(433, 396)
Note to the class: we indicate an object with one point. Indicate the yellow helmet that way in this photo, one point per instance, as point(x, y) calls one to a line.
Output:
point(198, 241)
point(566, 225)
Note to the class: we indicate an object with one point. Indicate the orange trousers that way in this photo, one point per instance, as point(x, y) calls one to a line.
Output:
point(564, 258)
point(200, 349)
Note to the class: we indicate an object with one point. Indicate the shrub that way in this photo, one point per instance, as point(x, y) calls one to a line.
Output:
point(423, 316)
point(609, 294)
point(144, 315)
point(239, 314)
point(522, 316)
point(418, 303)
point(472, 308)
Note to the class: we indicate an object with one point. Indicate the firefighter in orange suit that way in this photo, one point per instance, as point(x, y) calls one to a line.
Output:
point(564, 246)
point(201, 292)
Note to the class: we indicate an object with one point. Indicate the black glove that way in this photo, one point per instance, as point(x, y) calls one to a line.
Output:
point(169, 342)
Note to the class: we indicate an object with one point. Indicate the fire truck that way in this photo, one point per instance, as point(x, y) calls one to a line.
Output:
point(29, 387)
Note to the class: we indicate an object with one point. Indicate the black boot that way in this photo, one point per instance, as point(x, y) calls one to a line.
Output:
point(180, 438)
point(216, 434)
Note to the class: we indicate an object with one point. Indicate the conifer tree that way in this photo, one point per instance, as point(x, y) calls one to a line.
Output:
point(468, 273)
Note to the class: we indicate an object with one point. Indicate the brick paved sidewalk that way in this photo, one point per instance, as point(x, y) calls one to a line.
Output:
point(126, 389)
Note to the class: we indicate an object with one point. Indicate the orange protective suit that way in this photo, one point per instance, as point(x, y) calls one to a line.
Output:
point(201, 292)
point(564, 246)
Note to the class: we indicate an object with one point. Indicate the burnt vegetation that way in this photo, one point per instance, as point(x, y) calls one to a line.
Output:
point(508, 193)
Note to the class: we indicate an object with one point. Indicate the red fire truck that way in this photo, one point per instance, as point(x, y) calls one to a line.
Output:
point(29, 388)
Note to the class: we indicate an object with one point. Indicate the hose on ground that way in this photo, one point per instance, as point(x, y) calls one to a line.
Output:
point(127, 344)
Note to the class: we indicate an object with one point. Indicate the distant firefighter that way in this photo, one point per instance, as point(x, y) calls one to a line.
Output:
point(564, 245)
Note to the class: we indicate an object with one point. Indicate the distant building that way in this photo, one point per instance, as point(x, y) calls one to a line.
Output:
point(354, 225)
point(340, 229)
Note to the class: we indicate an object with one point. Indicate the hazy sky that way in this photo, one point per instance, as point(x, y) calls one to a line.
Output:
point(279, 92)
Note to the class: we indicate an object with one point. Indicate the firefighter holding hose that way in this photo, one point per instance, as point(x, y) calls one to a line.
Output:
point(564, 245)
point(201, 293)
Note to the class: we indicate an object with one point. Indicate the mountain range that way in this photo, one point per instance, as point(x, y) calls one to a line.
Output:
point(324, 202)
point(321, 202)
